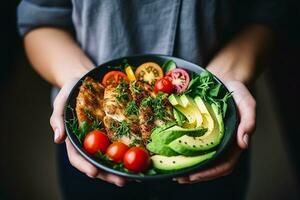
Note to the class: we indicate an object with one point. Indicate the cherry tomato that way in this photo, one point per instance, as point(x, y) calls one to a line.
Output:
point(136, 159)
point(113, 78)
point(116, 151)
point(149, 72)
point(163, 85)
point(180, 79)
point(95, 141)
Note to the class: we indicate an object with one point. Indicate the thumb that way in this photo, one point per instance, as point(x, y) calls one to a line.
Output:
point(57, 117)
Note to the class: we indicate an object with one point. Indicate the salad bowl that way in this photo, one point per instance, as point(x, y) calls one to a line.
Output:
point(230, 120)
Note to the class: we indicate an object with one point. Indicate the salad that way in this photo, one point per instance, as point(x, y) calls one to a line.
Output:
point(150, 119)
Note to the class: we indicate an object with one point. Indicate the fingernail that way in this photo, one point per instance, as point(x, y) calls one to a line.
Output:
point(246, 139)
point(56, 134)
point(120, 184)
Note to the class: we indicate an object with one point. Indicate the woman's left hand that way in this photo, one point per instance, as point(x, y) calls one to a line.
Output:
point(247, 110)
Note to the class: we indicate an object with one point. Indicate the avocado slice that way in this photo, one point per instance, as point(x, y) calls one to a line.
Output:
point(208, 121)
point(187, 145)
point(173, 163)
point(170, 134)
point(179, 117)
point(161, 149)
point(188, 108)
point(162, 128)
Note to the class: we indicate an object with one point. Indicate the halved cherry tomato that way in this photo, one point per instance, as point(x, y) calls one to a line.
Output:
point(113, 78)
point(163, 85)
point(136, 159)
point(130, 73)
point(180, 79)
point(95, 141)
point(116, 151)
point(149, 72)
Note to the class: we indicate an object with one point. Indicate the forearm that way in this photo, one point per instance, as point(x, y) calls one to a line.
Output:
point(55, 55)
point(244, 56)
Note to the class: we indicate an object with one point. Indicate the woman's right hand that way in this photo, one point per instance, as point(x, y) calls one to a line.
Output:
point(79, 162)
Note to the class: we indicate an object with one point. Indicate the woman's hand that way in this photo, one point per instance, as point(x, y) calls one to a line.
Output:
point(57, 123)
point(246, 107)
point(237, 65)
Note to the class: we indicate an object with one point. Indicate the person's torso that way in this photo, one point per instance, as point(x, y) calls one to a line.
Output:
point(189, 29)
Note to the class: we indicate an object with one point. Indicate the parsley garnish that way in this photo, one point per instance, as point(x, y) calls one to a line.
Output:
point(157, 103)
point(132, 108)
point(135, 88)
point(122, 129)
point(122, 95)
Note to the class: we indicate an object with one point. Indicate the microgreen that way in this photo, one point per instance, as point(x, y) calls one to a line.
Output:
point(81, 130)
point(209, 90)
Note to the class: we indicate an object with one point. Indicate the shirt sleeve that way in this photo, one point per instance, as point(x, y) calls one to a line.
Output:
point(38, 13)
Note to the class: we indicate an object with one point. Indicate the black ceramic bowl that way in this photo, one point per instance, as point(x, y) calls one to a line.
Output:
point(230, 122)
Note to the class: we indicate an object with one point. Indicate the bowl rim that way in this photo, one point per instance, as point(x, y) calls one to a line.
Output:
point(135, 176)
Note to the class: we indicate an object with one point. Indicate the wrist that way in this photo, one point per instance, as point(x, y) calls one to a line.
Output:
point(68, 76)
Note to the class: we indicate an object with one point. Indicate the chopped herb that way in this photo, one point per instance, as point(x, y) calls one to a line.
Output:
point(121, 89)
point(132, 108)
point(122, 129)
point(123, 85)
point(146, 102)
point(135, 142)
point(157, 104)
point(89, 115)
point(122, 97)
point(135, 88)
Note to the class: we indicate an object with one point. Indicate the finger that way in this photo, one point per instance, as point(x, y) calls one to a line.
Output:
point(224, 168)
point(247, 109)
point(56, 119)
point(119, 181)
point(84, 166)
point(79, 162)
point(247, 112)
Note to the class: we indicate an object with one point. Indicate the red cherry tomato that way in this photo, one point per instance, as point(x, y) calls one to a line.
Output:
point(95, 141)
point(136, 159)
point(180, 79)
point(163, 85)
point(116, 151)
point(113, 78)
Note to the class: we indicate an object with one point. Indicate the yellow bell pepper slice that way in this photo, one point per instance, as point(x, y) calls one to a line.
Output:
point(130, 73)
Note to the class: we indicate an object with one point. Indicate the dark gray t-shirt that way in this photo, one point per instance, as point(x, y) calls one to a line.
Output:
point(190, 29)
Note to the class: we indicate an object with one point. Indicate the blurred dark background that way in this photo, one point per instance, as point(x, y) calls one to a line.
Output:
point(27, 164)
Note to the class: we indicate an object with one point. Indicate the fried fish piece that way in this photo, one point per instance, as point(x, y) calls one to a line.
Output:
point(89, 102)
point(140, 90)
point(122, 131)
point(115, 100)
point(154, 111)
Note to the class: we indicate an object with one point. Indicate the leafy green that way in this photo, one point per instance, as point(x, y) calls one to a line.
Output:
point(209, 90)
point(81, 131)
point(168, 66)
